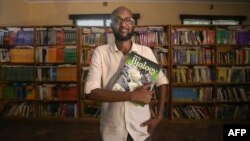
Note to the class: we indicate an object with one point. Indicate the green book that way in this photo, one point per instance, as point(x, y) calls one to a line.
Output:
point(136, 72)
point(8, 92)
point(70, 55)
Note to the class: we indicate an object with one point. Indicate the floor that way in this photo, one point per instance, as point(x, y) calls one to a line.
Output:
point(88, 130)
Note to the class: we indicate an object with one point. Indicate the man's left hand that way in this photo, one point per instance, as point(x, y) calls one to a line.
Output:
point(151, 123)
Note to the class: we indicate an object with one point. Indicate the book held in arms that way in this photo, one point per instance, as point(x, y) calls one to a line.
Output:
point(136, 72)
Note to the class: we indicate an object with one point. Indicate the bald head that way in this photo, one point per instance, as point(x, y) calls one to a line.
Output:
point(119, 10)
point(122, 24)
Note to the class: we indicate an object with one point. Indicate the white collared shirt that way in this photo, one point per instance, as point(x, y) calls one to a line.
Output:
point(118, 118)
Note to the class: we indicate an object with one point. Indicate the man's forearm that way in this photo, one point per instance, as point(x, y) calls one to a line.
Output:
point(161, 100)
point(141, 95)
point(109, 96)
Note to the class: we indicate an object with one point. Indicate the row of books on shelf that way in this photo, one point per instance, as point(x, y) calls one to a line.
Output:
point(221, 112)
point(51, 36)
point(18, 91)
point(150, 36)
point(193, 55)
point(187, 94)
point(44, 36)
point(57, 92)
point(93, 39)
point(94, 36)
point(233, 36)
point(235, 74)
point(57, 73)
point(50, 92)
point(20, 109)
point(44, 54)
point(40, 73)
point(197, 74)
point(27, 109)
point(17, 73)
point(204, 74)
point(58, 110)
point(17, 38)
point(234, 56)
point(210, 94)
point(233, 94)
point(67, 54)
point(185, 36)
point(145, 35)
point(55, 36)
point(18, 54)
point(53, 54)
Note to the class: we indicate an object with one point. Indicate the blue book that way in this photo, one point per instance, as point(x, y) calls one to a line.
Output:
point(185, 94)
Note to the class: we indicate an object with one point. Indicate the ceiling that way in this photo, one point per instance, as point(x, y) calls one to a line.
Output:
point(187, 1)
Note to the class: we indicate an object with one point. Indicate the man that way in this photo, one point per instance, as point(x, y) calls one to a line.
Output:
point(121, 119)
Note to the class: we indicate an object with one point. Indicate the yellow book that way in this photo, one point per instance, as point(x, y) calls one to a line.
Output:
point(22, 55)
point(52, 55)
point(222, 74)
point(66, 74)
point(30, 93)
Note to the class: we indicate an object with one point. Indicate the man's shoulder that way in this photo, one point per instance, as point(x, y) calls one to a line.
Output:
point(143, 48)
point(140, 46)
point(102, 47)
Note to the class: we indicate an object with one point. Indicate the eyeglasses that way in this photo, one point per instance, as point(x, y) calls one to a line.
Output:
point(127, 21)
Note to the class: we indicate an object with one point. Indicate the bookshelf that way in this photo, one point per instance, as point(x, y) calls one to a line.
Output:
point(232, 44)
point(43, 70)
point(207, 83)
point(90, 38)
point(39, 71)
point(18, 70)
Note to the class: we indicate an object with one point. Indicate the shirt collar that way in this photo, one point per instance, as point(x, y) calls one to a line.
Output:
point(114, 48)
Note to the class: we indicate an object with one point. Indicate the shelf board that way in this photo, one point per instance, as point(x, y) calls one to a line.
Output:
point(185, 103)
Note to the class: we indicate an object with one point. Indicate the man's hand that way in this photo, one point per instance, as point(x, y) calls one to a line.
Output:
point(151, 123)
point(142, 94)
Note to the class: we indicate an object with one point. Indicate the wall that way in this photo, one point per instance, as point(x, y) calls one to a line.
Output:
point(14, 12)
point(17, 12)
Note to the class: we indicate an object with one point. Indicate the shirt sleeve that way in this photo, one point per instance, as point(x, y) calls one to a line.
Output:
point(162, 78)
point(94, 75)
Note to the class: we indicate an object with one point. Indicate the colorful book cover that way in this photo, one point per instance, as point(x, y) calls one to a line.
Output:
point(136, 72)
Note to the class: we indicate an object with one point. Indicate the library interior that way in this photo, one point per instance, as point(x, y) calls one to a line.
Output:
point(46, 46)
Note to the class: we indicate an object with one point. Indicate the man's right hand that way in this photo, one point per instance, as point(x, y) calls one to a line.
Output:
point(142, 94)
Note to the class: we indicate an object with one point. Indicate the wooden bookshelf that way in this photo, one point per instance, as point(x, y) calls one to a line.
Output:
point(208, 68)
point(201, 56)
point(39, 71)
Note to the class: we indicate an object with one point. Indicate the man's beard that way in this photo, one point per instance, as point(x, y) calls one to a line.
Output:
point(119, 37)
